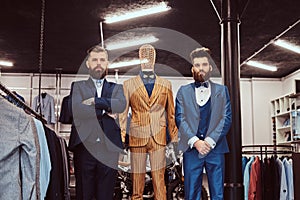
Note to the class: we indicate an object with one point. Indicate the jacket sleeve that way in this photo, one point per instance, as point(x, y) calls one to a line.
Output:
point(123, 116)
point(80, 110)
point(173, 131)
point(180, 116)
point(225, 119)
point(115, 104)
point(52, 111)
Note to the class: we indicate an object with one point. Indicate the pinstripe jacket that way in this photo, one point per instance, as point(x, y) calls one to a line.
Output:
point(149, 114)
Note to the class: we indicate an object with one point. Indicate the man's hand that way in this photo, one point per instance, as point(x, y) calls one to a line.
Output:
point(89, 101)
point(113, 115)
point(202, 147)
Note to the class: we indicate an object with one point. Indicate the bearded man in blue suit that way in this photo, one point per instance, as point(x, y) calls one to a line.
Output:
point(203, 117)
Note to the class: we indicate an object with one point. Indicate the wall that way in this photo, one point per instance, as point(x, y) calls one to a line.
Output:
point(288, 83)
point(263, 90)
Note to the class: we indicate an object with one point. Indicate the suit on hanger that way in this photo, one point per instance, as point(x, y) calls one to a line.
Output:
point(65, 116)
point(188, 116)
point(150, 115)
point(95, 137)
point(47, 107)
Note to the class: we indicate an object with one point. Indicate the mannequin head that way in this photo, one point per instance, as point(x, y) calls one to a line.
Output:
point(147, 52)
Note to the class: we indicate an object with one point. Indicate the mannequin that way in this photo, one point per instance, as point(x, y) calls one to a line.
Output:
point(151, 101)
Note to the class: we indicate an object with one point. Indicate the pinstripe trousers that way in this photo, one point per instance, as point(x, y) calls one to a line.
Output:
point(157, 162)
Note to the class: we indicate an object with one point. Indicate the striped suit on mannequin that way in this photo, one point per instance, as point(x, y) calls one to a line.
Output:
point(147, 132)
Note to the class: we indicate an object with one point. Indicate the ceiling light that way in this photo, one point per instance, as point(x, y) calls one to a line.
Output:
point(147, 10)
point(262, 66)
point(287, 45)
point(127, 63)
point(129, 43)
point(6, 63)
point(17, 88)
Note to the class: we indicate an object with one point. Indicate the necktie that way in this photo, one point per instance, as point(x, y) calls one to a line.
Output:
point(199, 84)
point(98, 83)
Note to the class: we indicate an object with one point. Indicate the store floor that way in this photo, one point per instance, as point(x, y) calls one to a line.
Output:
point(73, 195)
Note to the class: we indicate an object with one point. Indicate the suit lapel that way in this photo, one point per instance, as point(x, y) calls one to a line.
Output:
point(214, 108)
point(105, 88)
point(156, 90)
point(193, 97)
point(91, 88)
point(140, 88)
point(213, 94)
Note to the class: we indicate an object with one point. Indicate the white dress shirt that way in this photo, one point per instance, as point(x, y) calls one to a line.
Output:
point(98, 84)
point(202, 96)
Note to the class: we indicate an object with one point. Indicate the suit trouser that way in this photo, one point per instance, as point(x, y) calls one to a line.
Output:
point(94, 172)
point(138, 164)
point(193, 171)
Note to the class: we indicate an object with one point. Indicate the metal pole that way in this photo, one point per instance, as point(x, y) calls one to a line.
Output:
point(116, 75)
point(42, 27)
point(101, 34)
point(230, 65)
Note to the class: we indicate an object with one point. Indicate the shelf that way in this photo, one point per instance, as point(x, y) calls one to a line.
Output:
point(295, 95)
point(285, 143)
point(284, 128)
point(282, 114)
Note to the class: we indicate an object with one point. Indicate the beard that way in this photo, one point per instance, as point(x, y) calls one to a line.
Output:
point(201, 76)
point(98, 72)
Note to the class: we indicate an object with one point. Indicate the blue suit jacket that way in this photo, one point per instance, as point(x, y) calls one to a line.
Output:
point(187, 116)
point(89, 122)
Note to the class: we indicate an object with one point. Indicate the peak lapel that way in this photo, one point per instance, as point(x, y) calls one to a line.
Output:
point(156, 90)
point(140, 88)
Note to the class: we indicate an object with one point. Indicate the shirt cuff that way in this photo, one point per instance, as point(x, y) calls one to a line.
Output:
point(211, 142)
point(192, 141)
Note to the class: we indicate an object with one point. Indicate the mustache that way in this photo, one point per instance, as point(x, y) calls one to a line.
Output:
point(99, 67)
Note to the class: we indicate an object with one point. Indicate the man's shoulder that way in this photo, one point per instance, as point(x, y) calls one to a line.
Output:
point(113, 84)
point(80, 82)
point(186, 86)
point(218, 85)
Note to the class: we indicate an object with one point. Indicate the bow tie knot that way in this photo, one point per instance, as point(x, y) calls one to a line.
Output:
point(199, 84)
point(150, 75)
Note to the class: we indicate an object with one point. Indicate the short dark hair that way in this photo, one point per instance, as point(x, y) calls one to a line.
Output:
point(97, 48)
point(201, 52)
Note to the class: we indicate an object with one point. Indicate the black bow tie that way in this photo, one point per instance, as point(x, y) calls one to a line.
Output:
point(199, 84)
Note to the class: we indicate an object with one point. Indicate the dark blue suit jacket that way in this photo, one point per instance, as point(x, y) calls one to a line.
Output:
point(91, 121)
point(187, 116)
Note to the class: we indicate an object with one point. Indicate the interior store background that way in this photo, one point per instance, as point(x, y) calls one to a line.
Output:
point(262, 93)
point(256, 96)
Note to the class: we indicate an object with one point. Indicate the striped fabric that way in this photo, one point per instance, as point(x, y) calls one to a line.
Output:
point(149, 114)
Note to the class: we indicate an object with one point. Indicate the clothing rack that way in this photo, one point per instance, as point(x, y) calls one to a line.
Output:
point(22, 104)
point(267, 149)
